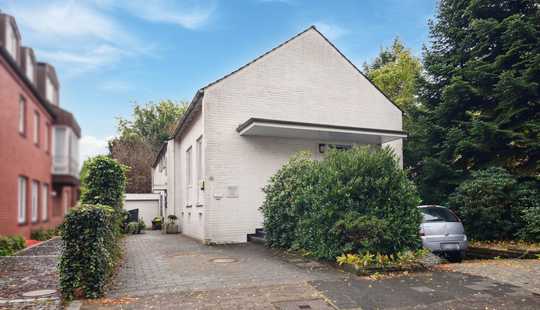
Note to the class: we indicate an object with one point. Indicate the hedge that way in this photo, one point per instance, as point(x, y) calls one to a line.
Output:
point(90, 250)
point(9, 245)
point(494, 205)
point(350, 202)
point(103, 181)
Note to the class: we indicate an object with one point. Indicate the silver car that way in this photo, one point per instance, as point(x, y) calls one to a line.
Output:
point(442, 232)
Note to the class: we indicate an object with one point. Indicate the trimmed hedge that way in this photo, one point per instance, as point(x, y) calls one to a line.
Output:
point(351, 202)
point(9, 245)
point(495, 206)
point(90, 250)
point(103, 181)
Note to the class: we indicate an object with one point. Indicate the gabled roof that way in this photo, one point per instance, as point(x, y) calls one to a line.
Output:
point(200, 93)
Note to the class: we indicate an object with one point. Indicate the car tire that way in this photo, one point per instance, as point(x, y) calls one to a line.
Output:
point(455, 257)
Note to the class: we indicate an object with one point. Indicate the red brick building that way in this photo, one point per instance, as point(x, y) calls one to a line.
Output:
point(39, 166)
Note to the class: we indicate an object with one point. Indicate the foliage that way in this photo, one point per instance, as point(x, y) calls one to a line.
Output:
point(531, 230)
point(103, 182)
point(132, 228)
point(11, 244)
point(133, 152)
point(153, 122)
point(480, 98)
point(283, 204)
point(90, 249)
point(140, 139)
point(395, 72)
point(366, 260)
point(352, 201)
point(43, 234)
point(491, 204)
point(142, 225)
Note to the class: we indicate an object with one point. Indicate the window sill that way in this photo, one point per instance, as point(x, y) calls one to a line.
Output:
point(22, 223)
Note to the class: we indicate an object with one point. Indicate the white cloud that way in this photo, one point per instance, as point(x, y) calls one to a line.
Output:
point(182, 13)
point(91, 146)
point(82, 36)
point(331, 31)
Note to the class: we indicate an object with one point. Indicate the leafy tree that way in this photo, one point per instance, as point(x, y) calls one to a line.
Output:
point(395, 72)
point(139, 140)
point(103, 182)
point(152, 122)
point(480, 98)
point(133, 152)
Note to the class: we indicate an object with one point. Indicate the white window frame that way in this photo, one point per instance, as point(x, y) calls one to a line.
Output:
point(22, 115)
point(29, 67)
point(46, 137)
point(189, 174)
point(35, 200)
point(50, 91)
point(22, 199)
point(11, 38)
point(37, 121)
point(45, 202)
point(198, 148)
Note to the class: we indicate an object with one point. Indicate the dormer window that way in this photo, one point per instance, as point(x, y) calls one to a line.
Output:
point(11, 41)
point(50, 90)
point(29, 67)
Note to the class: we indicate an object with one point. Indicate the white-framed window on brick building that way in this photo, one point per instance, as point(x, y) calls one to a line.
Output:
point(21, 214)
point(36, 127)
point(45, 202)
point(22, 115)
point(35, 201)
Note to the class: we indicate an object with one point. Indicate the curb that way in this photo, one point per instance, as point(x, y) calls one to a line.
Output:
point(74, 305)
point(34, 245)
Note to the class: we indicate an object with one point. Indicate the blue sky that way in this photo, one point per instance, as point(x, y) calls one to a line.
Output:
point(110, 54)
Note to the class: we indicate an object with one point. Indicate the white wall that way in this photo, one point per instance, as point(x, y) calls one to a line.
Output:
point(306, 81)
point(148, 205)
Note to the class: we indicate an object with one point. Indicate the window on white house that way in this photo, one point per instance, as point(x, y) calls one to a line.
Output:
point(36, 128)
point(35, 201)
point(49, 90)
point(22, 115)
point(45, 202)
point(22, 200)
point(11, 41)
point(29, 67)
point(199, 168)
point(189, 175)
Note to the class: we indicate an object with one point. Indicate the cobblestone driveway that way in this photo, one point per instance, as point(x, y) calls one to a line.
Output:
point(175, 272)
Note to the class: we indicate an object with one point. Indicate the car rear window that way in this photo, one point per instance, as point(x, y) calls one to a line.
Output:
point(438, 214)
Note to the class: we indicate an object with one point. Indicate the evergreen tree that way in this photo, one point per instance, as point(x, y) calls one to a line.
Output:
point(480, 97)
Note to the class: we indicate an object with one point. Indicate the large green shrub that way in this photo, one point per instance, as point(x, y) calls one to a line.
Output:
point(103, 181)
point(352, 201)
point(11, 244)
point(283, 206)
point(531, 230)
point(491, 204)
point(90, 250)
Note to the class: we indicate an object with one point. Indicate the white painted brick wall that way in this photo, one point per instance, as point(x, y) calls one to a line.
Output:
point(306, 81)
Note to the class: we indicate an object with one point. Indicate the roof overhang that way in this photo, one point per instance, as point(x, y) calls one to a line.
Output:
point(315, 131)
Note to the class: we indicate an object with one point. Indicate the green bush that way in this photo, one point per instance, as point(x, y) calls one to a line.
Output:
point(142, 225)
point(43, 234)
point(351, 202)
point(132, 228)
point(11, 244)
point(103, 181)
point(492, 203)
point(90, 250)
point(531, 230)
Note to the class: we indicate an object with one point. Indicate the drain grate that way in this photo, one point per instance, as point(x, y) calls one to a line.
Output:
point(38, 293)
point(312, 304)
point(224, 260)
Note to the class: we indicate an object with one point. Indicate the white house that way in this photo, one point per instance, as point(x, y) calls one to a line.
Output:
point(239, 130)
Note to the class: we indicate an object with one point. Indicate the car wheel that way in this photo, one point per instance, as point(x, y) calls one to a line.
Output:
point(455, 257)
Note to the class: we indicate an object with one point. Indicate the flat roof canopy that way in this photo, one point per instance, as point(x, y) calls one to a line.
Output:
point(314, 131)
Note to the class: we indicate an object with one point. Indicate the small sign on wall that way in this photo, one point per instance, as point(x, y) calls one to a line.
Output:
point(232, 191)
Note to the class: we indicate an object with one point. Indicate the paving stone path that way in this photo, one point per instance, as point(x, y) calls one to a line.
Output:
point(32, 269)
point(175, 272)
